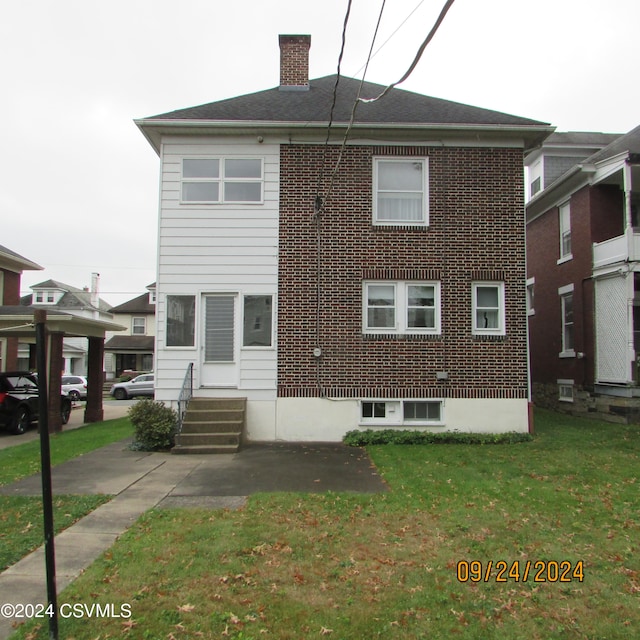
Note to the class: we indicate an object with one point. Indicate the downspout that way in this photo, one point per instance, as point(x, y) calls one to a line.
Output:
point(631, 257)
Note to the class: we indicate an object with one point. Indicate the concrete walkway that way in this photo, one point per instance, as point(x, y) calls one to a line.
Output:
point(141, 481)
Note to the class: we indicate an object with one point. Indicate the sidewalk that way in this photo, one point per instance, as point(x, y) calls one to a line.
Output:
point(141, 481)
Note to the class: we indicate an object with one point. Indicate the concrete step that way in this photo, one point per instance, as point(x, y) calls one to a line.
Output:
point(205, 448)
point(192, 439)
point(218, 403)
point(208, 426)
point(212, 415)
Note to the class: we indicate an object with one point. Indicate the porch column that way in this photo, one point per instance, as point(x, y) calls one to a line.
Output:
point(56, 362)
point(94, 411)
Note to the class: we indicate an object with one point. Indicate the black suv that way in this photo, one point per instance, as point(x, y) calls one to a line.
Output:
point(19, 401)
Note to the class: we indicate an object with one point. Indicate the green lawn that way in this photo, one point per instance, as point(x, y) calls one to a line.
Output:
point(388, 566)
point(21, 519)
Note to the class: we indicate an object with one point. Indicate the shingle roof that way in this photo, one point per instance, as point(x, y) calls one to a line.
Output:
point(137, 305)
point(20, 261)
point(314, 105)
point(73, 297)
point(629, 142)
point(130, 343)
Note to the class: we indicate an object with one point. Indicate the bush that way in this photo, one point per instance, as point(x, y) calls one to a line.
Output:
point(154, 425)
point(395, 436)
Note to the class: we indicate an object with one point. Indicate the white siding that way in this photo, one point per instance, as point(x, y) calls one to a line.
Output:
point(215, 248)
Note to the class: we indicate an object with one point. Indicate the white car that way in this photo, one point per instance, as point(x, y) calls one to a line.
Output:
point(75, 387)
point(142, 385)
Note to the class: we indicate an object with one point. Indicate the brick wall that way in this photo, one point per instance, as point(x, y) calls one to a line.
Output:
point(476, 232)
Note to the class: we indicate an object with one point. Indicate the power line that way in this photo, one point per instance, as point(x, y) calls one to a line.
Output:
point(371, 56)
point(423, 46)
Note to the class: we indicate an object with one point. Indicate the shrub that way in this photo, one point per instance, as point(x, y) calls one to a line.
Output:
point(154, 425)
point(402, 436)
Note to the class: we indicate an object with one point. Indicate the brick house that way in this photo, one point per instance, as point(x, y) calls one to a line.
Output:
point(372, 284)
point(583, 256)
point(11, 267)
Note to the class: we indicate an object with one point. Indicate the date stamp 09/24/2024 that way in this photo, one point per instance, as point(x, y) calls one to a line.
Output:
point(520, 571)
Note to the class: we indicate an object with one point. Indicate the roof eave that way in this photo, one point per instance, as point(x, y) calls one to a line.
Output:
point(154, 129)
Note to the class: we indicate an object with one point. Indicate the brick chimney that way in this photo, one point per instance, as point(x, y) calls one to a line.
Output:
point(294, 62)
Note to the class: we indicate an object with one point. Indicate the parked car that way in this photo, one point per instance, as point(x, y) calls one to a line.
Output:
point(19, 401)
point(140, 386)
point(75, 387)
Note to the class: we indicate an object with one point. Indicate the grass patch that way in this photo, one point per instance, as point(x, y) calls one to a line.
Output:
point(384, 566)
point(23, 460)
point(21, 521)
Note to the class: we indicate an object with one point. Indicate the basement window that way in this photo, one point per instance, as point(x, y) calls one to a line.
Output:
point(565, 390)
point(401, 412)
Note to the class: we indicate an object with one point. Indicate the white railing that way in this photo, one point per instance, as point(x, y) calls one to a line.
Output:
point(617, 249)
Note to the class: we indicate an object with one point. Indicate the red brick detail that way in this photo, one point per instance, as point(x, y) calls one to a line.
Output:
point(476, 232)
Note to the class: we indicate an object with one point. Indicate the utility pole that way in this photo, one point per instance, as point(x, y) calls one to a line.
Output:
point(40, 320)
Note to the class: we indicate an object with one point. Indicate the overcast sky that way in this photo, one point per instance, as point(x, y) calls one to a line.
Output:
point(79, 183)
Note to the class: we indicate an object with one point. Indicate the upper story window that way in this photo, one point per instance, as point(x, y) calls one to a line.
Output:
point(401, 191)
point(139, 326)
point(488, 308)
point(566, 316)
point(565, 232)
point(402, 307)
point(45, 297)
point(221, 180)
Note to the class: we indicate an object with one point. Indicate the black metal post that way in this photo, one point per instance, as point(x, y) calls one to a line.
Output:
point(40, 318)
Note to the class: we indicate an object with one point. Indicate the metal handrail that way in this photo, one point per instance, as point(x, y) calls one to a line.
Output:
point(185, 395)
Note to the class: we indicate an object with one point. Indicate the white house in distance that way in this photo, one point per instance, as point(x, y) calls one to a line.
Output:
point(132, 349)
point(379, 283)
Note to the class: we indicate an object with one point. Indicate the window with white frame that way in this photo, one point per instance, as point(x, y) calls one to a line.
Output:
point(222, 180)
point(401, 307)
point(401, 412)
point(566, 315)
point(401, 194)
point(139, 326)
point(565, 231)
point(565, 390)
point(488, 308)
point(531, 296)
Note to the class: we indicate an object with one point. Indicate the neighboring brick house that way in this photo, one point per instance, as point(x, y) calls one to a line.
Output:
point(11, 267)
point(132, 350)
point(84, 303)
point(583, 255)
point(380, 284)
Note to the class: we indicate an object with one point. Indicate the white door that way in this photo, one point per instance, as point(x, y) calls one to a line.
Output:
point(219, 346)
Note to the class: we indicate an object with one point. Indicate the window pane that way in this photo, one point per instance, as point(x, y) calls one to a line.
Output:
point(422, 411)
point(487, 319)
point(242, 191)
point(243, 168)
point(421, 296)
point(381, 295)
point(400, 176)
point(257, 321)
point(399, 207)
point(200, 168)
point(200, 191)
point(381, 318)
point(421, 318)
point(180, 321)
point(487, 296)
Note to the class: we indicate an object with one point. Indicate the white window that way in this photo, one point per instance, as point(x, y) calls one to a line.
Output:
point(221, 180)
point(488, 308)
point(401, 194)
point(566, 315)
point(531, 296)
point(401, 412)
point(258, 321)
point(39, 296)
point(401, 307)
point(565, 232)
point(535, 178)
point(565, 390)
point(139, 326)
